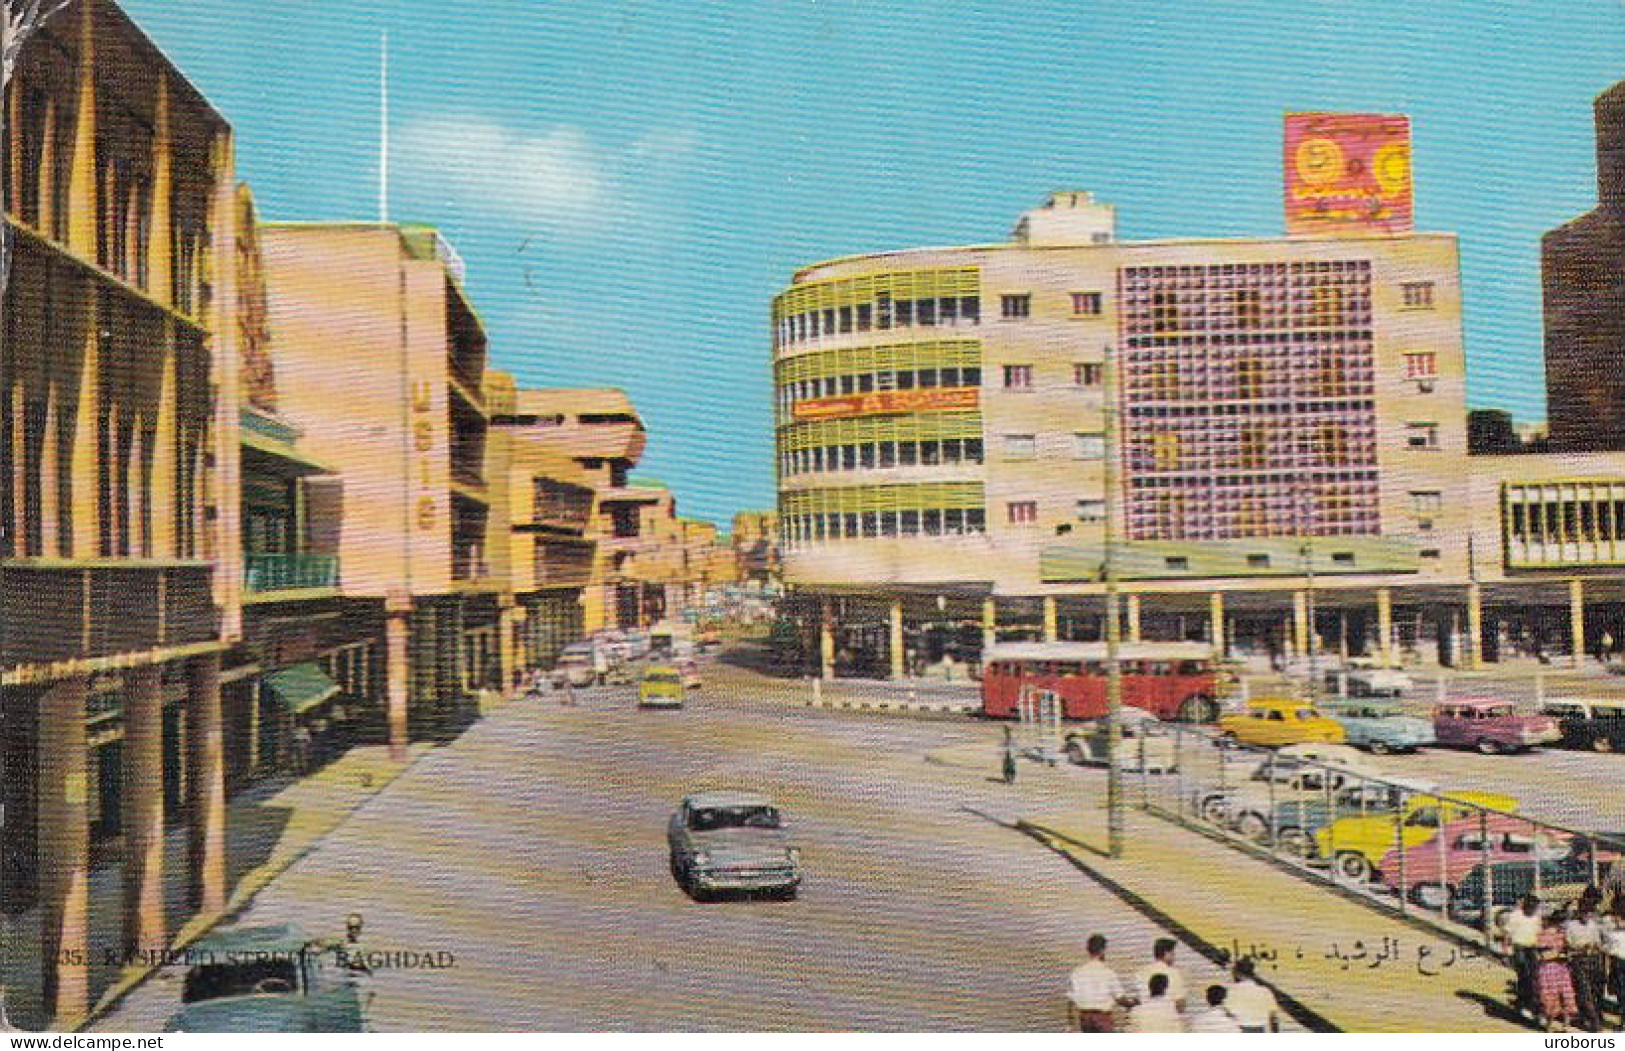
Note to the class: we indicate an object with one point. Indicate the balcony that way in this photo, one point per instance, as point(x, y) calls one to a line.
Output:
point(267, 574)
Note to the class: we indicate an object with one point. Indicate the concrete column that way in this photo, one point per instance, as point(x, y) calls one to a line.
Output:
point(826, 642)
point(1133, 617)
point(64, 851)
point(506, 622)
point(1216, 625)
point(397, 676)
point(1300, 623)
point(1577, 620)
point(83, 217)
point(1385, 626)
point(990, 626)
point(899, 669)
point(142, 814)
point(1050, 631)
point(160, 245)
point(206, 783)
point(1475, 626)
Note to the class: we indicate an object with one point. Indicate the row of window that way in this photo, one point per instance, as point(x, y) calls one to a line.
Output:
point(886, 313)
point(866, 525)
point(867, 456)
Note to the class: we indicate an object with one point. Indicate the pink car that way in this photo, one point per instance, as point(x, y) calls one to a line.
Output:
point(1445, 860)
point(1491, 726)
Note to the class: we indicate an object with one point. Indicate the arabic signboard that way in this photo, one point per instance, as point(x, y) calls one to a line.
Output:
point(882, 402)
point(1348, 173)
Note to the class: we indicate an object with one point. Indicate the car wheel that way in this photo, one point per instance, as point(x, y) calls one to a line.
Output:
point(1431, 896)
point(1198, 710)
point(1379, 747)
point(1254, 827)
point(1297, 842)
point(1074, 753)
point(1353, 867)
point(1214, 810)
point(1602, 743)
point(1488, 747)
point(1228, 739)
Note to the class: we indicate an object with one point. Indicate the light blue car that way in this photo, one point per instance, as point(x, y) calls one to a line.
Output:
point(1380, 727)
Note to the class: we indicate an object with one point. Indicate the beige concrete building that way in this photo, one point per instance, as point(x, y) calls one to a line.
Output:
point(119, 567)
point(755, 539)
point(380, 363)
point(1288, 413)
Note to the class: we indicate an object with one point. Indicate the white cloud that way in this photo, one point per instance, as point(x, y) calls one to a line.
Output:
point(557, 180)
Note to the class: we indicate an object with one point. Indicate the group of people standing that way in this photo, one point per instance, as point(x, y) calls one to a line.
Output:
point(1155, 1001)
point(1569, 962)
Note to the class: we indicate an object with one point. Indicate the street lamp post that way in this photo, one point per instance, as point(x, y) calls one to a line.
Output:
point(1311, 636)
point(1114, 627)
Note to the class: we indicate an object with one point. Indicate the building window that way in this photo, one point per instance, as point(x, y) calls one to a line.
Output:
point(1165, 452)
point(1090, 446)
point(1343, 558)
point(1258, 561)
point(1177, 562)
point(1086, 304)
point(1016, 305)
point(1421, 365)
point(1018, 377)
point(1429, 554)
point(1022, 512)
point(1091, 510)
point(1249, 308)
point(1164, 313)
point(1422, 435)
point(1417, 295)
point(1020, 446)
point(1087, 374)
point(1426, 502)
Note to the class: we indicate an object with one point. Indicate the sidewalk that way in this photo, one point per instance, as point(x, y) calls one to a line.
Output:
point(269, 826)
point(1347, 965)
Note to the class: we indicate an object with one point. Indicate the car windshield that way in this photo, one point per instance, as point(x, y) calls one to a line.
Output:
point(272, 973)
point(662, 677)
point(709, 819)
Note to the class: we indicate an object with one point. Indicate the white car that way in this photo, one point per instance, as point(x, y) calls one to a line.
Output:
point(1360, 680)
point(1147, 744)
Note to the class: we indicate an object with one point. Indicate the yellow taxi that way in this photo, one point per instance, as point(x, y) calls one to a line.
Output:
point(1271, 722)
point(1356, 845)
point(661, 687)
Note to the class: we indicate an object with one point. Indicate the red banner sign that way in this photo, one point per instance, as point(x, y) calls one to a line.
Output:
point(1348, 172)
point(882, 402)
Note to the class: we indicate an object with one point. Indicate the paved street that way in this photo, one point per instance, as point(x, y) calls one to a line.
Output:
point(533, 849)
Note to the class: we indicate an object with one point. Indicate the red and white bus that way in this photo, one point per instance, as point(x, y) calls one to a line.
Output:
point(1171, 680)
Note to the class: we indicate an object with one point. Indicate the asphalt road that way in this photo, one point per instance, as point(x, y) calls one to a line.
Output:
point(533, 850)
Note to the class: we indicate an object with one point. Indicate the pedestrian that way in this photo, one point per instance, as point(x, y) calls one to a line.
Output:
point(1583, 935)
point(352, 955)
point(1520, 930)
point(1606, 647)
point(1156, 1013)
point(1162, 962)
point(1253, 1005)
point(1557, 1002)
point(299, 755)
point(1613, 947)
point(1095, 991)
point(1009, 757)
point(1215, 1017)
point(1613, 887)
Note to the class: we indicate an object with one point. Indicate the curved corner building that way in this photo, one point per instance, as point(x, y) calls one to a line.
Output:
point(1291, 431)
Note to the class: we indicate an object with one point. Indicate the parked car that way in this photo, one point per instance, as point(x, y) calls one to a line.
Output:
point(576, 666)
point(1299, 820)
point(1381, 727)
point(1356, 846)
point(1431, 872)
point(732, 841)
point(1553, 880)
point(1368, 680)
point(1275, 721)
point(1598, 725)
point(661, 687)
point(265, 980)
point(1147, 744)
point(1245, 804)
point(1491, 726)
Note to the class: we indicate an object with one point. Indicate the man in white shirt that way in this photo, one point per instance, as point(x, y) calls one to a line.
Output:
point(1520, 929)
point(1253, 1006)
point(1613, 946)
point(1095, 990)
point(1216, 1017)
point(1162, 963)
point(1156, 1013)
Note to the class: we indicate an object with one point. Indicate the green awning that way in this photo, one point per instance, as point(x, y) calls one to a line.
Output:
point(301, 687)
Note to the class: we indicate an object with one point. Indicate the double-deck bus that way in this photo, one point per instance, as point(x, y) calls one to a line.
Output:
point(1171, 680)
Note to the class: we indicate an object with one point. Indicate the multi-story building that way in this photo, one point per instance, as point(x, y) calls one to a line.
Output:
point(119, 572)
point(1585, 302)
point(1287, 410)
point(380, 362)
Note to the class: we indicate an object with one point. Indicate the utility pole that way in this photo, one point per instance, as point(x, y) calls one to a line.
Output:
point(1114, 625)
point(1312, 639)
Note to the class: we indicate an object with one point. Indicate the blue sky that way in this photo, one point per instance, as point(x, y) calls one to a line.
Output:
point(631, 184)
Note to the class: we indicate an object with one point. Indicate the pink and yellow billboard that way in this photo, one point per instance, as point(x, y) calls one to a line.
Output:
point(882, 402)
point(1348, 173)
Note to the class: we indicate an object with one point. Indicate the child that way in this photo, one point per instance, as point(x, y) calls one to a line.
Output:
point(1557, 1006)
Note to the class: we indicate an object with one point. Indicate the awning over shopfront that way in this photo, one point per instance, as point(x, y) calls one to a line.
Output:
point(301, 687)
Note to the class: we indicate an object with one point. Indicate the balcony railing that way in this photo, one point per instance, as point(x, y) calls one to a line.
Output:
point(289, 572)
